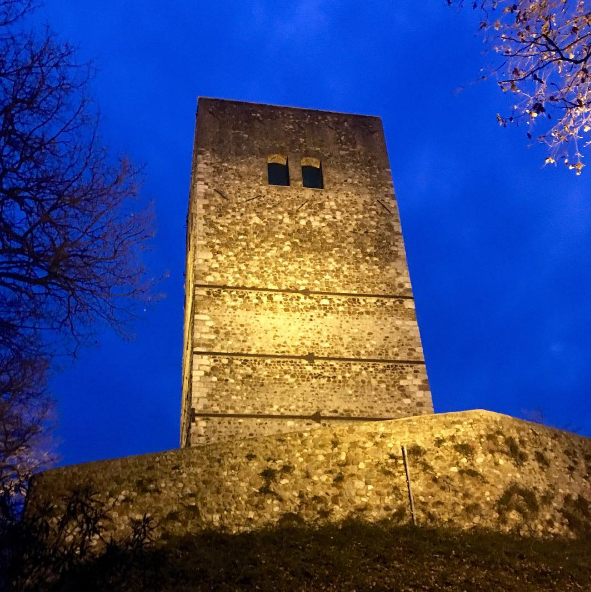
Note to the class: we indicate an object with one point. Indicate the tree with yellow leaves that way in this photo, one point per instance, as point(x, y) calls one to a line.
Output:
point(544, 50)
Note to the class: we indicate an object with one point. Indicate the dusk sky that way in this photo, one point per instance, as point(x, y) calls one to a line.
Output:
point(498, 246)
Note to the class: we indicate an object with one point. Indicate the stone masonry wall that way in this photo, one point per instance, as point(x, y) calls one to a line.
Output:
point(294, 276)
point(295, 324)
point(468, 469)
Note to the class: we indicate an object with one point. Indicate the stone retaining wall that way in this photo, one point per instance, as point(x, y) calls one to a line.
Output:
point(473, 468)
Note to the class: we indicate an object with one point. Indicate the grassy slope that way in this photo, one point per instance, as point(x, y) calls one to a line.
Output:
point(355, 556)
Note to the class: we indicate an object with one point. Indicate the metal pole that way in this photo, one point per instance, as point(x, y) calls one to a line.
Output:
point(407, 471)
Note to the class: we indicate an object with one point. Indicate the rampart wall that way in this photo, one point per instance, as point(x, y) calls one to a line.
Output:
point(467, 469)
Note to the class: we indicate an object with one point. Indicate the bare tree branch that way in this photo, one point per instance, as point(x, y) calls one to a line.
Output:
point(72, 230)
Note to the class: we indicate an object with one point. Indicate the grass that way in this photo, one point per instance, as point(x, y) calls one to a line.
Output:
point(514, 450)
point(465, 449)
point(472, 473)
point(355, 555)
point(270, 476)
point(541, 459)
point(416, 451)
point(339, 478)
point(519, 499)
point(146, 485)
point(416, 456)
point(577, 511)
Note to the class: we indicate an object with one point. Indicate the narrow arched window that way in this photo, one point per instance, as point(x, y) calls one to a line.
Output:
point(312, 173)
point(277, 169)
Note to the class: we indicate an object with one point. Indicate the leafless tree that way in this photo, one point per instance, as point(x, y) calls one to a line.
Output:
point(544, 48)
point(65, 546)
point(71, 228)
point(25, 418)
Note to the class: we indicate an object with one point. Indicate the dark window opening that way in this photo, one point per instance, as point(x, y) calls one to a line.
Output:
point(312, 173)
point(278, 170)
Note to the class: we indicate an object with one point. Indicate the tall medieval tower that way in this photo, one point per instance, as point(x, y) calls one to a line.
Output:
point(299, 310)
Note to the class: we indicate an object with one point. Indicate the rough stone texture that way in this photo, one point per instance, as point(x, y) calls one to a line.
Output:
point(473, 468)
point(284, 272)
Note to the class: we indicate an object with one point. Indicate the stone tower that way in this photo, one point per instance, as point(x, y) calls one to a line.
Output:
point(299, 310)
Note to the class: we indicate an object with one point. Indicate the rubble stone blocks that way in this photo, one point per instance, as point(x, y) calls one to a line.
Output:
point(299, 310)
point(468, 469)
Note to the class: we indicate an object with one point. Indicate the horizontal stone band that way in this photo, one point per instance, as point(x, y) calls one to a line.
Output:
point(317, 417)
point(309, 357)
point(303, 292)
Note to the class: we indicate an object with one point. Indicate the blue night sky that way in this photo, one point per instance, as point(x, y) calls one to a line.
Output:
point(498, 246)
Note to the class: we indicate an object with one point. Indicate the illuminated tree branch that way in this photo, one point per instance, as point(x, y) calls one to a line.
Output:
point(545, 50)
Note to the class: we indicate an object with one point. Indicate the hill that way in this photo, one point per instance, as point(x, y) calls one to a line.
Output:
point(353, 556)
